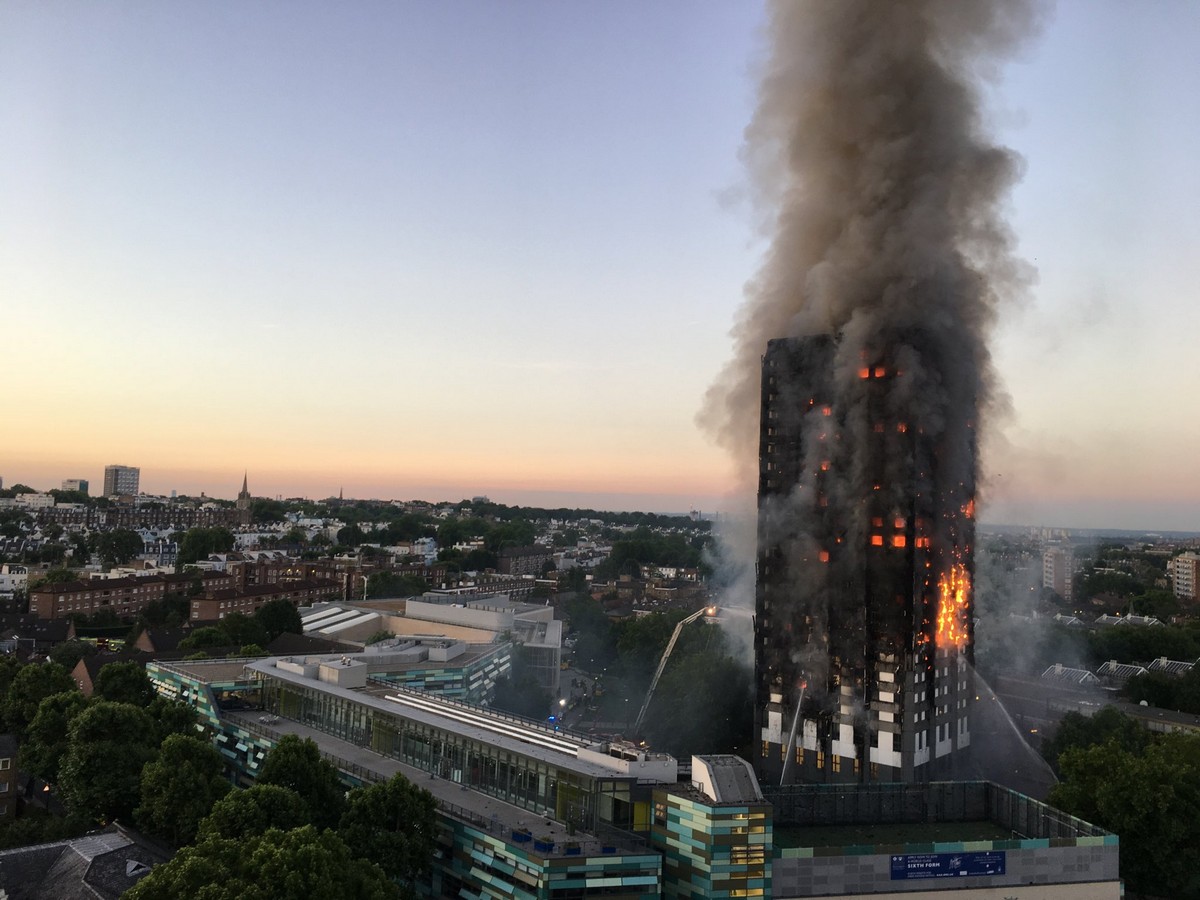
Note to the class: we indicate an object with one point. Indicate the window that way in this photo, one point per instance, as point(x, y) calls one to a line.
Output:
point(820, 759)
point(5, 764)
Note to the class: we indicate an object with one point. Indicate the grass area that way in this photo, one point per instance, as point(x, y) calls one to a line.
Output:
point(922, 833)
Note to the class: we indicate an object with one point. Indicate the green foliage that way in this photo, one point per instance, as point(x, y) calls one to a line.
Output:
point(390, 584)
point(9, 667)
point(241, 629)
point(107, 746)
point(351, 536)
point(198, 543)
point(204, 638)
point(1132, 644)
point(124, 682)
point(376, 637)
point(38, 826)
point(1079, 732)
point(29, 687)
point(69, 653)
point(118, 546)
point(249, 813)
point(251, 650)
point(642, 640)
point(393, 825)
point(1166, 691)
point(46, 743)
point(179, 788)
point(297, 765)
point(646, 547)
point(265, 511)
point(58, 576)
point(1149, 797)
point(277, 617)
point(172, 717)
point(278, 865)
point(703, 704)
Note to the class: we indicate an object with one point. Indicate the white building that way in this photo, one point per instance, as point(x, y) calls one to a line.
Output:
point(1185, 576)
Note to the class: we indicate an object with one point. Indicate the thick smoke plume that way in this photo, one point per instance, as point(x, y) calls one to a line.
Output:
point(881, 196)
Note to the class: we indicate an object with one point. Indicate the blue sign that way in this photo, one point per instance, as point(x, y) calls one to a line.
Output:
point(946, 865)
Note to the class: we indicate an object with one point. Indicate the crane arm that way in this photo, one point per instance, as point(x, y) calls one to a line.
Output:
point(662, 663)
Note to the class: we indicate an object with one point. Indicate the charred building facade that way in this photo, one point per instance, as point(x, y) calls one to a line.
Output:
point(863, 633)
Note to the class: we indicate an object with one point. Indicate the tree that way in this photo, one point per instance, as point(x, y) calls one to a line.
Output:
point(30, 686)
point(107, 746)
point(58, 576)
point(277, 865)
point(1148, 798)
point(69, 653)
point(277, 617)
point(351, 536)
point(172, 717)
point(297, 765)
point(389, 584)
point(124, 682)
point(393, 825)
point(118, 546)
point(241, 629)
point(208, 636)
point(1080, 732)
point(245, 814)
point(179, 788)
point(46, 743)
point(198, 543)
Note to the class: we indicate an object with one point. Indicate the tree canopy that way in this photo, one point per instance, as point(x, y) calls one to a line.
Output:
point(30, 686)
point(276, 865)
point(108, 744)
point(242, 814)
point(179, 788)
point(277, 617)
point(296, 764)
point(124, 682)
point(393, 825)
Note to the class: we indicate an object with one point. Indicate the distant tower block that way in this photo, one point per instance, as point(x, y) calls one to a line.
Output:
point(121, 481)
point(862, 632)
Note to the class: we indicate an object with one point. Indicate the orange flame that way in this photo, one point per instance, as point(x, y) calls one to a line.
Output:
point(954, 594)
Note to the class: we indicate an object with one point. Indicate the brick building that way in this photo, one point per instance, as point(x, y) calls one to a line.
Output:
point(248, 600)
point(124, 596)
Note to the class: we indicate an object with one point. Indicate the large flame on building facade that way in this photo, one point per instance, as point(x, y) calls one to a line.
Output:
point(954, 607)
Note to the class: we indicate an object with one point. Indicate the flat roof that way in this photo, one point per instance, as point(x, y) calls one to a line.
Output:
point(491, 813)
point(441, 714)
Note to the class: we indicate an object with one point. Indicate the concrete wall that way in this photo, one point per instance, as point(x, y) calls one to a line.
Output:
point(1090, 864)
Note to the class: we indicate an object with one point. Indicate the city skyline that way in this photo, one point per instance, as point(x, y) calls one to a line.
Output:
point(434, 252)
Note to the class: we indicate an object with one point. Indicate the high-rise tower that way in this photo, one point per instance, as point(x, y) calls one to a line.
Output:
point(862, 611)
point(121, 480)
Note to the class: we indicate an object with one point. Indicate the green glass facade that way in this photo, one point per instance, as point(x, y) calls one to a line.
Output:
point(473, 682)
point(579, 800)
point(712, 850)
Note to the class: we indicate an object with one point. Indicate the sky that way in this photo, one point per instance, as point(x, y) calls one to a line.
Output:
point(436, 250)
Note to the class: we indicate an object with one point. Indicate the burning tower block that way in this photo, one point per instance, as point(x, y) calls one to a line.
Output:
point(863, 632)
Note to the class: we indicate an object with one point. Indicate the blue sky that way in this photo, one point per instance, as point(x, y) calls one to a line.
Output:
point(442, 249)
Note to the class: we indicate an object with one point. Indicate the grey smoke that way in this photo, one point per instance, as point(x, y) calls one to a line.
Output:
point(882, 196)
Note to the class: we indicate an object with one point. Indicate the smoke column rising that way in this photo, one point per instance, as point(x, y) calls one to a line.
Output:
point(881, 195)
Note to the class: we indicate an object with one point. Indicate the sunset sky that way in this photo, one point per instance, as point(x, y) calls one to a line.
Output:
point(432, 250)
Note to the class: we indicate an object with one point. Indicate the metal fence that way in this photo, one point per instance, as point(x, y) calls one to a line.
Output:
point(907, 804)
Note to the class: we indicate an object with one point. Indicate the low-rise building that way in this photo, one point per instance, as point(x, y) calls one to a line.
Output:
point(123, 596)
